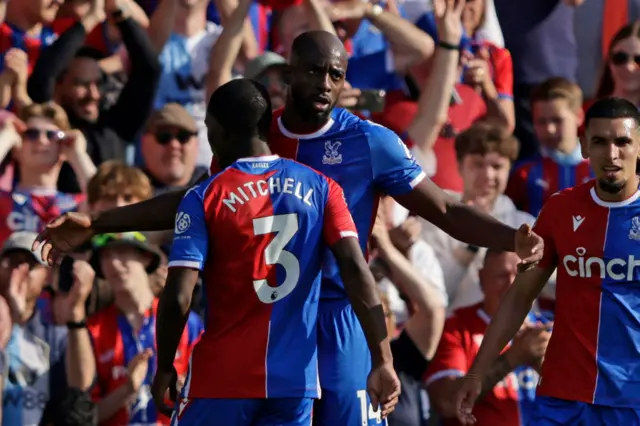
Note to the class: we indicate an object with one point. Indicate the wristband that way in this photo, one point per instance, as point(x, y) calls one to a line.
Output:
point(77, 325)
point(448, 46)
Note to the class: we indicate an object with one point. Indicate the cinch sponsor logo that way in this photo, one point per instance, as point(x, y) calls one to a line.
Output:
point(587, 267)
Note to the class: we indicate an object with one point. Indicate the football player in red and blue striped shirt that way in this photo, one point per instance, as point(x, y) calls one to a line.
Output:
point(258, 230)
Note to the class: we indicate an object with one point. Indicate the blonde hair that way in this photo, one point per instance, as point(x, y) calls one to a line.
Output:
point(48, 110)
point(558, 88)
point(114, 177)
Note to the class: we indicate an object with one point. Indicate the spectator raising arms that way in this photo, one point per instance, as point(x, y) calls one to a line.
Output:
point(41, 142)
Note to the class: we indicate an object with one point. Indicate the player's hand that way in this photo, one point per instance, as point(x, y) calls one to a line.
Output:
point(165, 382)
point(529, 247)
point(530, 344)
point(383, 387)
point(467, 392)
point(137, 370)
point(62, 235)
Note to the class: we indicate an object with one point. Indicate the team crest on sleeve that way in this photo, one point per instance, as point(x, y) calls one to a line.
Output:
point(183, 222)
point(634, 232)
point(331, 153)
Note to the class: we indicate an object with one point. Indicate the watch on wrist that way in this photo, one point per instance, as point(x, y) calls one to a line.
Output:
point(76, 325)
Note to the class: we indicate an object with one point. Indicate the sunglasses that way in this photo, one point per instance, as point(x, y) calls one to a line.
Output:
point(33, 134)
point(622, 58)
point(182, 136)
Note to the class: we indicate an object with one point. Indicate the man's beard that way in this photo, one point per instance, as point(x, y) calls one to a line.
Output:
point(308, 114)
point(612, 187)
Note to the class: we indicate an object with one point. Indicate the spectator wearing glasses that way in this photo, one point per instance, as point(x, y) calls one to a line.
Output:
point(621, 73)
point(170, 148)
point(41, 142)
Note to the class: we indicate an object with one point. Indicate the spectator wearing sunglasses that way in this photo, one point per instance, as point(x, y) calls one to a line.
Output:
point(39, 143)
point(170, 149)
point(621, 73)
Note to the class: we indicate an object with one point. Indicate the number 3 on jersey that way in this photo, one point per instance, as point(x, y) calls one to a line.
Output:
point(285, 227)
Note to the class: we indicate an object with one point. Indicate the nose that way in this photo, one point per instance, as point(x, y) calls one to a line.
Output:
point(613, 152)
point(94, 91)
point(551, 128)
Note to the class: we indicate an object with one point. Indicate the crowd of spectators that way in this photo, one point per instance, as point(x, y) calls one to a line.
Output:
point(103, 103)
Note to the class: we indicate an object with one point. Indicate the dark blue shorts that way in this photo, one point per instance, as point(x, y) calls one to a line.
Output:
point(344, 362)
point(560, 412)
point(243, 412)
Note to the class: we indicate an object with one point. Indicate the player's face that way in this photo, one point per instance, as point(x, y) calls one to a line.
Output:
point(316, 83)
point(484, 176)
point(556, 124)
point(625, 71)
point(613, 147)
point(40, 149)
point(124, 268)
point(496, 276)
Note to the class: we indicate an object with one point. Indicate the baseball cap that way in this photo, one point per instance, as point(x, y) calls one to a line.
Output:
point(125, 239)
point(22, 241)
point(260, 64)
point(173, 115)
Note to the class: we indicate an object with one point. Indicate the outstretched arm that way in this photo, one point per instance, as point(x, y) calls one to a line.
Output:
point(462, 222)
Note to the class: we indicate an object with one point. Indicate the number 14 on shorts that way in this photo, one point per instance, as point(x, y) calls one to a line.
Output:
point(367, 412)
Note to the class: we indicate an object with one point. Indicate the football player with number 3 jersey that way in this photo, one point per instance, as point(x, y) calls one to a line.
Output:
point(258, 230)
point(591, 235)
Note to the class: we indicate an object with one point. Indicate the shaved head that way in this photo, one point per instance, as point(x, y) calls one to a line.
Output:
point(318, 63)
point(318, 44)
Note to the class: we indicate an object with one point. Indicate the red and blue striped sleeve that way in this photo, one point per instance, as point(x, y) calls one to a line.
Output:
point(338, 222)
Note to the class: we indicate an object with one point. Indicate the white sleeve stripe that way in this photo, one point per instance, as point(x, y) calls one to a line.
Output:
point(186, 264)
point(347, 234)
point(418, 179)
point(442, 374)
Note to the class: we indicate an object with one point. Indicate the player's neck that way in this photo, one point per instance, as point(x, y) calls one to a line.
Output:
point(15, 16)
point(627, 192)
point(294, 123)
point(31, 181)
point(247, 149)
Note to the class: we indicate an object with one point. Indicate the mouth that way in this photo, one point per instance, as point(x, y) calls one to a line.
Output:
point(321, 103)
point(611, 171)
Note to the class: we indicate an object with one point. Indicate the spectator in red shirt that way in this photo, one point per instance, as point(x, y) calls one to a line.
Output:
point(124, 333)
point(509, 390)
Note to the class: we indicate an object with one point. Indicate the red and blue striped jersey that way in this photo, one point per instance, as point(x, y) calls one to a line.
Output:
point(364, 158)
point(13, 37)
point(115, 344)
point(31, 211)
point(533, 182)
point(258, 230)
point(593, 355)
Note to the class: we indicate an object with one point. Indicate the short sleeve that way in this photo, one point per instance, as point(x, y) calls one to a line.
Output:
point(191, 236)
point(503, 72)
point(544, 227)
point(338, 222)
point(450, 359)
point(395, 170)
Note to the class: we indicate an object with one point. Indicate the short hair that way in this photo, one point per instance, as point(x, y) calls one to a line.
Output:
point(612, 108)
point(113, 178)
point(484, 138)
point(558, 88)
point(242, 107)
point(47, 110)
